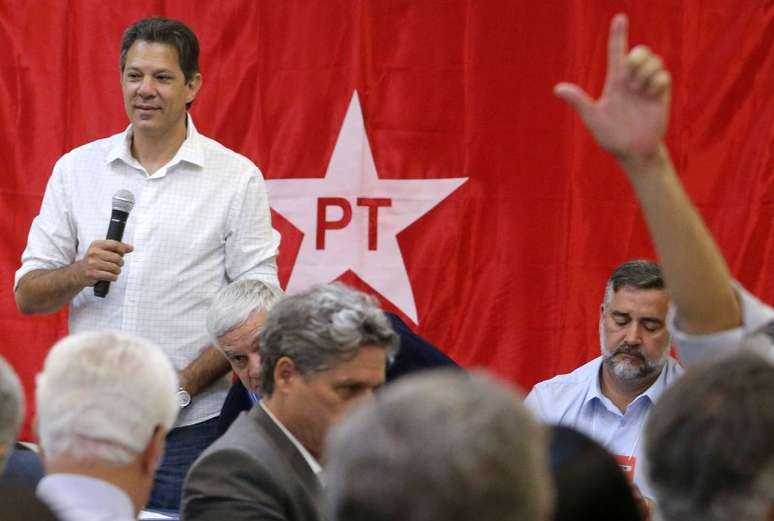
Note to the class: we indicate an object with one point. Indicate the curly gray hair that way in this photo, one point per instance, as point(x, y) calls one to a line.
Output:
point(321, 327)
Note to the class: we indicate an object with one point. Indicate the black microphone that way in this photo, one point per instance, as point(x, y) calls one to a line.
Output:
point(123, 202)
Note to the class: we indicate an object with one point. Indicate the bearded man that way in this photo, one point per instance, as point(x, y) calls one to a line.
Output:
point(609, 398)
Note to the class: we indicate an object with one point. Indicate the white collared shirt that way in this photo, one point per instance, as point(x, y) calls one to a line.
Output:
point(198, 223)
point(576, 400)
point(74, 497)
point(313, 463)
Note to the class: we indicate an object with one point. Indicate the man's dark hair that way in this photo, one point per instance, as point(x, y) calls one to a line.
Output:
point(589, 482)
point(709, 442)
point(637, 274)
point(170, 32)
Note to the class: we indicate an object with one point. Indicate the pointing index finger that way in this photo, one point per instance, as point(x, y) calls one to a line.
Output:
point(617, 44)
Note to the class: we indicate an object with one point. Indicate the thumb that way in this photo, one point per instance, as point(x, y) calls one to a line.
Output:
point(575, 97)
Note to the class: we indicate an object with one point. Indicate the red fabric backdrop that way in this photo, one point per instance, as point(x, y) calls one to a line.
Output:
point(508, 271)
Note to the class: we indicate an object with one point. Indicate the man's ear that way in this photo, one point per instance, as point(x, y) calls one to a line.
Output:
point(151, 456)
point(285, 374)
point(193, 85)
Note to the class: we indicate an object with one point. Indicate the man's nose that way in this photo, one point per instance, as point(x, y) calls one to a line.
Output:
point(146, 87)
point(633, 333)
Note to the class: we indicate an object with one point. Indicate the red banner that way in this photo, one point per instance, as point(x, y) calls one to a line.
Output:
point(463, 194)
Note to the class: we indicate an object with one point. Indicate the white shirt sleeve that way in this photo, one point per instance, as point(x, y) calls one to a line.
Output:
point(252, 244)
point(52, 241)
point(695, 348)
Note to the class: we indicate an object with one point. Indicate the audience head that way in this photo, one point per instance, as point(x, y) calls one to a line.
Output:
point(632, 326)
point(11, 409)
point(589, 482)
point(235, 320)
point(710, 442)
point(320, 351)
point(102, 397)
point(442, 444)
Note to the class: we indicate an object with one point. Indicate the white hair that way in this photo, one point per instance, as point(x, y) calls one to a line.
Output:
point(11, 406)
point(101, 396)
point(234, 304)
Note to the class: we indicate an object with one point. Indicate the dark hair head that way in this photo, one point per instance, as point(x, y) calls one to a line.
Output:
point(637, 274)
point(589, 482)
point(170, 32)
point(709, 441)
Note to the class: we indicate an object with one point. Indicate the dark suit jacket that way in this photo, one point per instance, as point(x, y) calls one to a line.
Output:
point(415, 354)
point(253, 472)
point(24, 466)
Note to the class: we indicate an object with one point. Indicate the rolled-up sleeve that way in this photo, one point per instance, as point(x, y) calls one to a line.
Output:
point(252, 244)
point(52, 240)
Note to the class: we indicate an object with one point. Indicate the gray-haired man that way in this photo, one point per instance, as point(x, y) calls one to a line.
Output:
point(610, 397)
point(320, 351)
point(710, 442)
point(443, 445)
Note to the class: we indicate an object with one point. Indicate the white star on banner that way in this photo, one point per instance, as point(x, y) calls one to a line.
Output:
point(351, 218)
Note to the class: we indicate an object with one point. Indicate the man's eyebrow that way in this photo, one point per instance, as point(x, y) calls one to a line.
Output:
point(349, 382)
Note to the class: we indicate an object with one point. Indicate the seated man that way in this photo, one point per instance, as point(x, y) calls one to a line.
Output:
point(236, 318)
point(442, 445)
point(710, 442)
point(11, 410)
point(320, 351)
point(610, 397)
point(712, 314)
point(105, 402)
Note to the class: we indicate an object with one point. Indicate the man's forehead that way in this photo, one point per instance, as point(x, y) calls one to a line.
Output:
point(144, 49)
point(243, 338)
point(368, 365)
point(639, 300)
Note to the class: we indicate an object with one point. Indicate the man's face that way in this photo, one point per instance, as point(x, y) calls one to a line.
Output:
point(633, 334)
point(316, 400)
point(240, 345)
point(155, 90)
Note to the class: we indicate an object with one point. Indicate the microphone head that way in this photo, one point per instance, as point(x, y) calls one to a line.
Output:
point(123, 200)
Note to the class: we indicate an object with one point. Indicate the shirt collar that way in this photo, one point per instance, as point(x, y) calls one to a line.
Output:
point(76, 496)
point(313, 463)
point(191, 150)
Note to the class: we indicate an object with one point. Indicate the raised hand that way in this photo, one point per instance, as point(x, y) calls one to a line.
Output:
point(630, 117)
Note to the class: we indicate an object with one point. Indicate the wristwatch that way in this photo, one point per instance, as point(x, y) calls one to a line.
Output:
point(183, 398)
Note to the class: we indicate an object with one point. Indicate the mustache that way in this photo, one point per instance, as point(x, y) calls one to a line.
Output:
point(628, 349)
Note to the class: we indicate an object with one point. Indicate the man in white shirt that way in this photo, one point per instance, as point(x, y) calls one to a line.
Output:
point(105, 402)
point(320, 351)
point(610, 397)
point(200, 220)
